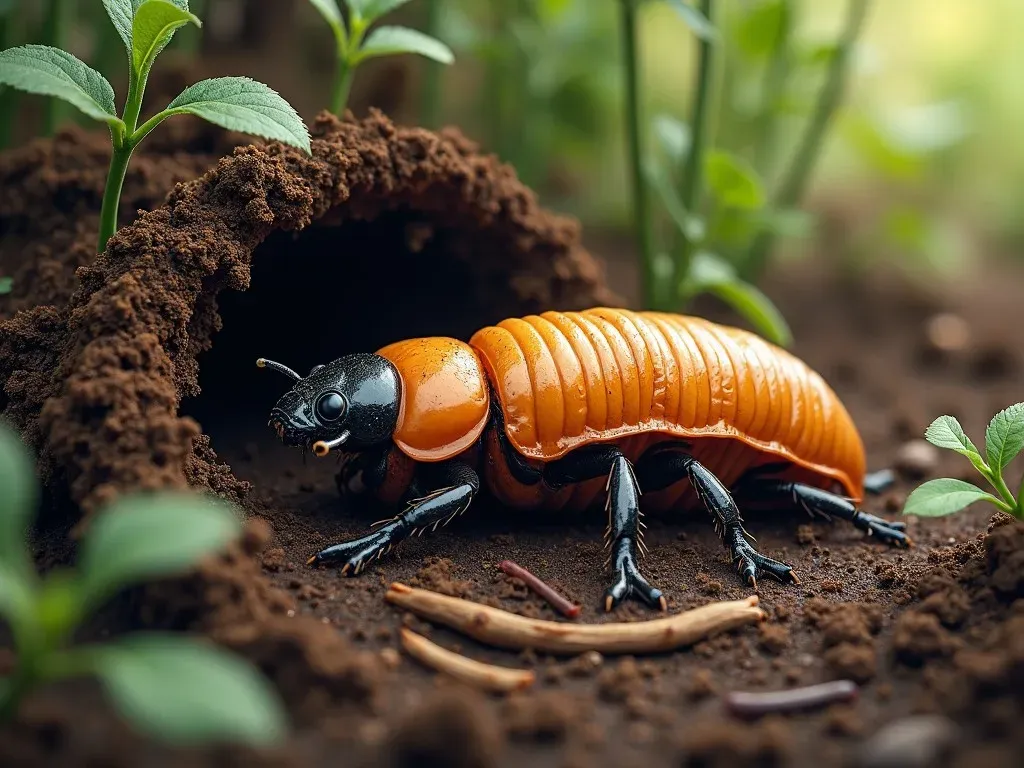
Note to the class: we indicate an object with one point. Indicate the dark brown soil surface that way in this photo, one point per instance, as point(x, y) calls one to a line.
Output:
point(404, 233)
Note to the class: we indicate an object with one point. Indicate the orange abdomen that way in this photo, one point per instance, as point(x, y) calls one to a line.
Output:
point(568, 379)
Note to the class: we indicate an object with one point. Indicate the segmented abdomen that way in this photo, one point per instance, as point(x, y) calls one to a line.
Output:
point(567, 379)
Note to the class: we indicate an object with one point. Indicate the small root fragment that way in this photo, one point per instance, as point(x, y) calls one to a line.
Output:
point(560, 603)
point(746, 704)
point(508, 630)
point(486, 676)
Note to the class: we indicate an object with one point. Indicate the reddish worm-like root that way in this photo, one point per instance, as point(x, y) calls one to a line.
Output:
point(507, 630)
point(476, 673)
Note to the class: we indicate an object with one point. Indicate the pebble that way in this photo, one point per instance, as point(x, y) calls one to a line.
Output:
point(948, 332)
point(917, 458)
point(913, 742)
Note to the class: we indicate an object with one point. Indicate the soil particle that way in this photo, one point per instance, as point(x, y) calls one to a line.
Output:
point(917, 459)
point(545, 716)
point(913, 742)
point(449, 729)
point(438, 575)
point(919, 636)
point(773, 638)
point(722, 744)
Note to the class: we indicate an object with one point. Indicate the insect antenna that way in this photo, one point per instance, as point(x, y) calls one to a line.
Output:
point(264, 363)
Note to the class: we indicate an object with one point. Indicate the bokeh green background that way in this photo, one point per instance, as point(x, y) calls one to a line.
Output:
point(923, 166)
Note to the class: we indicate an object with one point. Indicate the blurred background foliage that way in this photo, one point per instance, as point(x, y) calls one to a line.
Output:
point(921, 167)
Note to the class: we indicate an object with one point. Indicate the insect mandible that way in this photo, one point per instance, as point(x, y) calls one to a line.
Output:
point(573, 409)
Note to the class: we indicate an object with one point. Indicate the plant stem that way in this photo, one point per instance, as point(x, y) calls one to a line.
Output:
point(793, 184)
point(112, 194)
point(691, 185)
point(996, 478)
point(775, 75)
point(55, 28)
point(634, 122)
point(342, 87)
point(430, 107)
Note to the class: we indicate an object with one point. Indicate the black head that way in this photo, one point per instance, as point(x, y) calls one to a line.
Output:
point(352, 402)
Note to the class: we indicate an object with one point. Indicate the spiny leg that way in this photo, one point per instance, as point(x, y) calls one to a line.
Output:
point(455, 486)
point(666, 464)
point(815, 500)
point(623, 507)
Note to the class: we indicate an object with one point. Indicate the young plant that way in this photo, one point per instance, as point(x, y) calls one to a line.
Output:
point(169, 686)
point(1004, 439)
point(676, 275)
point(146, 27)
point(356, 46)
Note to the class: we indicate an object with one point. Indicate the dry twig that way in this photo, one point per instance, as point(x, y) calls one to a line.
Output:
point(560, 603)
point(476, 673)
point(507, 630)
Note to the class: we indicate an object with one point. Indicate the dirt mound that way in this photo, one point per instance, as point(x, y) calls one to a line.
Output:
point(51, 192)
point(384, 232)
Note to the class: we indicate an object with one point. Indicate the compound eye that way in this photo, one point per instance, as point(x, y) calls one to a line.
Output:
point(330, 406)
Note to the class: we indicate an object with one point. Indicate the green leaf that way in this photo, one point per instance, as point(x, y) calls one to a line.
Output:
point(52, 72)
point(121, 13)
point(187, 692)
point(244, 105)
point(944, 496)
point(692, 227)
point(695, 20)
point(17, 600)
point(673, 136)
point(6, 285)
point(144, 536)
point(712, 274)
point(374, 9)
point(1004, 437)
point(18, 497)
point(946, 432)
point(761, 28)
point(734, 182)
point(385, 41)
point(154, 25)
point(331, 12)
point(786, 222)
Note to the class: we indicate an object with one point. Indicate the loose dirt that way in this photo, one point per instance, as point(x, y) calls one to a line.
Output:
point(146, 378)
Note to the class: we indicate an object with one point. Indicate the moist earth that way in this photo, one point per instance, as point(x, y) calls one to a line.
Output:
point(137, 369)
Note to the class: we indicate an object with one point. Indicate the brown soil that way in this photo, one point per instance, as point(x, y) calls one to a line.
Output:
point(389, 232)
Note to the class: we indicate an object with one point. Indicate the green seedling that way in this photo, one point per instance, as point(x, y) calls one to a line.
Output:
point(1004, 439)
point(171, 687)
point(674, 277)
point(146, 27)
point(356, 46)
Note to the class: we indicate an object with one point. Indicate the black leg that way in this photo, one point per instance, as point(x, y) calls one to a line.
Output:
point(816, 501)
point(665, 465)
point(362, 472)
point(623, 507)
point(455, 484)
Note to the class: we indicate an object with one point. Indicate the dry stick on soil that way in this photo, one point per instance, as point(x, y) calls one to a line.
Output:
point(561, 604)
point(757, 704)
point(476, 673)
point(507, 630)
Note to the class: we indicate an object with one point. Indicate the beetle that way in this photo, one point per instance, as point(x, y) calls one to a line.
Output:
point(571, 409)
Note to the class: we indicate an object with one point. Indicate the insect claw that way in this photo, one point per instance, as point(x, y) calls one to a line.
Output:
point(752, 581)
point(344, 569)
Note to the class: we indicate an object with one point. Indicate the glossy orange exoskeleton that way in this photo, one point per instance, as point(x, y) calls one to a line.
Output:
point(565, 410)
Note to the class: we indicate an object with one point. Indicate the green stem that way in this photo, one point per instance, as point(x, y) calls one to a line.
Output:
point(55, 28)
point(430, 107)
point(691, 189)
point(112, 194)
point(342, 87)
point(775, 76)
point(634, 122)
point(996, 478)
point(793, 184)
